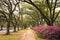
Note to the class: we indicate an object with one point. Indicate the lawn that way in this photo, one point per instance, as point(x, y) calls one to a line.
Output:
point(8, 37)
point(12, 36)
point(40, 38)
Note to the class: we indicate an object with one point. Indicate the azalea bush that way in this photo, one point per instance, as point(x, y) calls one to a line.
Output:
point(52, 33)
point(39, 30)
point(48, 32)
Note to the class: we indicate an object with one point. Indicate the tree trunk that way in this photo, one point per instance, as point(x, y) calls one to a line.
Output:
point(14, 28)
point(18, 28)
point(9, 21)
point(1, 27)
point(37, 23)
point(49, 23)
point(8, 27)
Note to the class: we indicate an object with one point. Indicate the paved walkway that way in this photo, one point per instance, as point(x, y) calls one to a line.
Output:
point(28, 35)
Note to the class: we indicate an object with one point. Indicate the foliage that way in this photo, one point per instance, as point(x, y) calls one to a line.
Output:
point(46, 7)
point(52, 33)
point(9, 7)
point(40, 30)
point(48, 32)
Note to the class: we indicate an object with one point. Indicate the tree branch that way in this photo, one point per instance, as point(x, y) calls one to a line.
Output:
point(30, 2)
point(56, 16)
point(4, 14)
point(54, 8)
point(10, 4)
point(48, 4)
point(15, 6)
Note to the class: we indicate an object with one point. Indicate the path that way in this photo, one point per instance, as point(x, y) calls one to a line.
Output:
point(28, 35)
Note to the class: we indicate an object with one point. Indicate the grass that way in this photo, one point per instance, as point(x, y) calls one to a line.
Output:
point(16, 36)
point(8, 37)
point(12, 36)
point(37, 38)
point(40, 38)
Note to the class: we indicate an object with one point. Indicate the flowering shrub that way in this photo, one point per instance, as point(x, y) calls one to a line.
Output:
point(52, 33)
point(48, 32)
point(35, 28)
point(39, 30)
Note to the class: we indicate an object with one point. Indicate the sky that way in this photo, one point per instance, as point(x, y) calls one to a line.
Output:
point(58, 8)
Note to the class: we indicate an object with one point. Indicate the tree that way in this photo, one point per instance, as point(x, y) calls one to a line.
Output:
point(10, 6)
point(14, 22)
point(30, 10)
point(51, 8)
